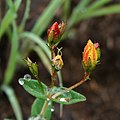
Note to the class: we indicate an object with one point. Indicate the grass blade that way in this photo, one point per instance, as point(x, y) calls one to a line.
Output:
point(36, 39)
point(46, 17)
point(82, 11)
point(13, 101)
point(9, 17)
point(26, 15)
point(77, 12)
point(97, 4)
point(114, 9)
point(9, 3)
point(13, 56)
point(45, 60)
point(66, 9)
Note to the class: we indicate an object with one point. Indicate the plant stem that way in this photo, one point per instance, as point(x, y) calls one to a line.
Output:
point(53, 75)
point(79, 83)
point(49, 96)
point(73, 86)
point(44, 108)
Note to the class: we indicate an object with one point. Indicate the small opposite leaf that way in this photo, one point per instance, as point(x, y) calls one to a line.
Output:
point(33, 87)
point(37, 107)
point(69, 97)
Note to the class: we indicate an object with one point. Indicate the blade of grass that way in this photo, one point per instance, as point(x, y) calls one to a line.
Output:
point(66, 9)
point(94, 7)
point(26, 15)
point(13, 55)
point(9, 3)
point(36, 39)
point(114, 9)
point(82, 6)
point(9, 17)
point(44, 19)
point(97, 4)
point(13, 101)
point(81, 13)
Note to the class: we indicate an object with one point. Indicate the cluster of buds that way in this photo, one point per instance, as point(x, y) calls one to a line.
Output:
point(91, 56)
point(55, 33)
point(54, 37)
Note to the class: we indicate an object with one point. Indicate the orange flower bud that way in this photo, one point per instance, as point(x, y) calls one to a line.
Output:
point(90, 56)
point(55, 33)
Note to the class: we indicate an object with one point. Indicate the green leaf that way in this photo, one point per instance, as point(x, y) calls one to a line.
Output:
point(9, 17)
point(26, 15)
point(36, 39)
point(113, 9)
point(13, 101)
point(97, 4)
point(43, 21)
point(69, 97)
point(33, 87)
point(37, 107)
point(77, 11)
point(82, 10)
point(13, 56)
point(45, 60)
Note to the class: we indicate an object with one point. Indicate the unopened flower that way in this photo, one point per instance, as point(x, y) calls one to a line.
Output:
point(55, 33)
point(33, 67)
point(91, 56)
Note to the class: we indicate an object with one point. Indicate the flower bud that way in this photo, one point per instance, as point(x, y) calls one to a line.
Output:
point(33, 67)
point(55, 33)
point(91, 56)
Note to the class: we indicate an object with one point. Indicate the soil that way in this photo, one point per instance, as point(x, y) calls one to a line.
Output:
point(102, 91)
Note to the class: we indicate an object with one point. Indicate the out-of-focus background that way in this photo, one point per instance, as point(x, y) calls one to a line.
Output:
point(95, 20)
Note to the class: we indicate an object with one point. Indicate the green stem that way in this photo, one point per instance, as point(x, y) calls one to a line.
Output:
point(49, 96)
point(44, 108)
point(73, 86)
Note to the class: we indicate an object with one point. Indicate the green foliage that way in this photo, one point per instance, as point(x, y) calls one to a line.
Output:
point(48, 14)
point(13, 101)
point(9, 16)
point(88, 9)
point(37, 107)
point(66, 97)
point(33, 87)
point(26, 15)
point(13, 56)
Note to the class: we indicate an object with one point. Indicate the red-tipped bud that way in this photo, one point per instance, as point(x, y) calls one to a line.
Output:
point(55, 33)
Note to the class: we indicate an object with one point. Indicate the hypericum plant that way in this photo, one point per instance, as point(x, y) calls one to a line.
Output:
point(45, 96)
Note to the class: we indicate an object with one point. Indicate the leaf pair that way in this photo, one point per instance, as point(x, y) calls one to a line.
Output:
point(66, 97)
